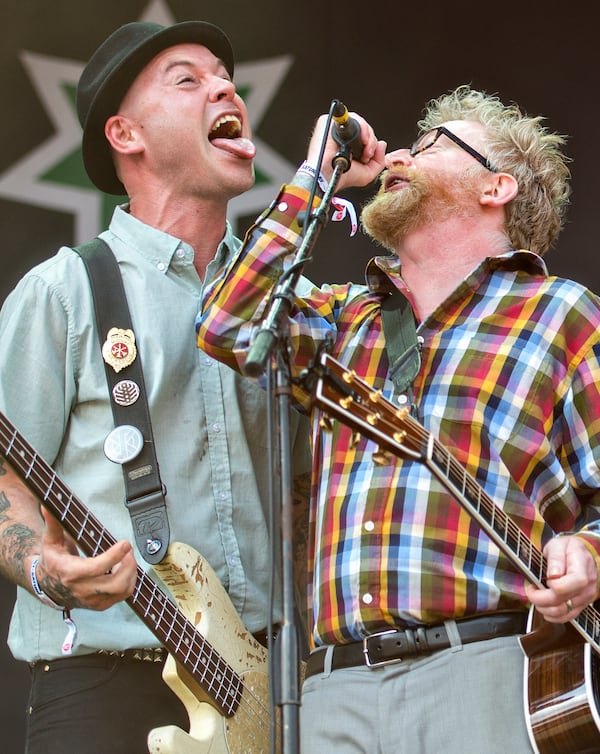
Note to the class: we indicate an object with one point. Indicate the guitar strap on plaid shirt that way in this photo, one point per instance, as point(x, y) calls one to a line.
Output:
point(131, 443)
point(402, 344)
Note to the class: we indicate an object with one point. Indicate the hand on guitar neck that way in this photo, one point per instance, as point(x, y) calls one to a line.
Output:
point(95, 582)
point(571, 580)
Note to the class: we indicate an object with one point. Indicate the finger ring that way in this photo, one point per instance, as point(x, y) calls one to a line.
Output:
point(569, 605)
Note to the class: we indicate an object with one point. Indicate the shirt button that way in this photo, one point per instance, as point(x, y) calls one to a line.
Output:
point(369, 526)
point(180, 253)
point(161, 266)
point(216, 427)
point(403, 399)
point(282, 206)
point(367, 598)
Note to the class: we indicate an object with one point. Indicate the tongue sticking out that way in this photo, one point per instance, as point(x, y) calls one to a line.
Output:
point(226, 134)
point(240, 147)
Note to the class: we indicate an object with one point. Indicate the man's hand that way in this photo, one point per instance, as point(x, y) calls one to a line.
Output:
point(572, 580)
point(70, 580)
point(362, 171)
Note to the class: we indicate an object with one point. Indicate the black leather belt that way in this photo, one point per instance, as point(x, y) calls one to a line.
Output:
point(395, 645)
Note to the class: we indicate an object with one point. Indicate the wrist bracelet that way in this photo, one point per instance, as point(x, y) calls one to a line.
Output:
point(38, 589)
point(309, 170)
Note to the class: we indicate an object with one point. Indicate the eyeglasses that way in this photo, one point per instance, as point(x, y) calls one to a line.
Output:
point(429, 139)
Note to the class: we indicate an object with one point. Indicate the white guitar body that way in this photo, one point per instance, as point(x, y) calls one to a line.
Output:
point(201, 597)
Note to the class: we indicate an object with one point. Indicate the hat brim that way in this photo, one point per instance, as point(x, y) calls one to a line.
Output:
point(97, 157)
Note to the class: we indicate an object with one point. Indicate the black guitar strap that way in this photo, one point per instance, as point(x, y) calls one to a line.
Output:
point(131, 443)
point(404, 350)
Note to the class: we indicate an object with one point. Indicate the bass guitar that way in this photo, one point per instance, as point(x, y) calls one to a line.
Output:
point(561, 678)
point(215, 666)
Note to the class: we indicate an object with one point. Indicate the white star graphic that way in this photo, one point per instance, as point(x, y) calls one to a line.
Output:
point(52, 175)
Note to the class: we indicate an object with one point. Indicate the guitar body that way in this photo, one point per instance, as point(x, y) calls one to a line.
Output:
point(201, 597)
point(561, 684)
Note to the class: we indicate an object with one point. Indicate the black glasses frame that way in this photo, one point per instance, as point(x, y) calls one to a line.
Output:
point(415, 149)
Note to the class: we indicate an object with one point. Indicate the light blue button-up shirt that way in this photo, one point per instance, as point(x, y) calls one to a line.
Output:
point(209, 424)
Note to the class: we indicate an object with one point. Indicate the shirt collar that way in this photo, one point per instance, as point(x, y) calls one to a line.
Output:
point(159, 247)
point(384, 271)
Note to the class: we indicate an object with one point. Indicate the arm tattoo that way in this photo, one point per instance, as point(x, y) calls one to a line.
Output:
point(16, 543)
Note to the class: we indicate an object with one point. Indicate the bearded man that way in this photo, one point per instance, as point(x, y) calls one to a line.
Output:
point(416, 611)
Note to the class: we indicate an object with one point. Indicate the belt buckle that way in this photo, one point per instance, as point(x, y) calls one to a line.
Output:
point(365, 650)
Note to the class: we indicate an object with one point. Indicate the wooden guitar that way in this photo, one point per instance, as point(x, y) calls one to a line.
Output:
point(215, 666)
point(561, 680)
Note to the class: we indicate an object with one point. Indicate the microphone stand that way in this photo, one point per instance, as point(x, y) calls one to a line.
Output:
point(272, 342)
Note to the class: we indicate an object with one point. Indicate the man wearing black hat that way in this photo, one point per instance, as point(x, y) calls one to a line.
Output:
point(163, 124)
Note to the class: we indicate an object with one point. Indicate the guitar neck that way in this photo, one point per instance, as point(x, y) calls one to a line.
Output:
point(491, 518)
point(160, 613)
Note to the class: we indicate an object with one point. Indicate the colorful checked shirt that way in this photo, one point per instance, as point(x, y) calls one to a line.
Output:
point(509, 384)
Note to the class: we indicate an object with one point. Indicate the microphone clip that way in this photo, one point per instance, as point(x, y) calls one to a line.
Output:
point(346, 133)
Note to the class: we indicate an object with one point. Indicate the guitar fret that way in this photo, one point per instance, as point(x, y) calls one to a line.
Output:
point(31, 465)
point(167, 636)
point(136, 591)
point(492, 512)
point(49, 487)
point(9, 447)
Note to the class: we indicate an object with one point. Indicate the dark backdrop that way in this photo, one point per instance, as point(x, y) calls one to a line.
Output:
point(382, 59)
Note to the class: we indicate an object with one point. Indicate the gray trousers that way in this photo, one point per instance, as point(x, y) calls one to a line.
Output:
point(463, 700)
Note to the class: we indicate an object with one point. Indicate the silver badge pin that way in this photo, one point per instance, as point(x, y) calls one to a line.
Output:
point(123, 444)
point(126, 392)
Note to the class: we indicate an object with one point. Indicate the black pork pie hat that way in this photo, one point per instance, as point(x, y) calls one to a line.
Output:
point(111, 71)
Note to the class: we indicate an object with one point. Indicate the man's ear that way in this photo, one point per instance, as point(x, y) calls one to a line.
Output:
point(122, 135)
point(499, 189)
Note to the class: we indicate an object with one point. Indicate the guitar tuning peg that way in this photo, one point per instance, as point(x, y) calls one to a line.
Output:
point(325, 423)
point(382, 457)
point(355, 439)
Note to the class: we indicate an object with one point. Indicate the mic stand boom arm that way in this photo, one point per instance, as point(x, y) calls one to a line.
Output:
point(273, 337)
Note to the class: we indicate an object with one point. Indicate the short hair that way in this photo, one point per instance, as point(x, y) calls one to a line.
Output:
point(518, 144)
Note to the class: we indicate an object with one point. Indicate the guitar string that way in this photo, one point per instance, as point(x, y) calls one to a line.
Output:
point(589, 617)
point(23, 457)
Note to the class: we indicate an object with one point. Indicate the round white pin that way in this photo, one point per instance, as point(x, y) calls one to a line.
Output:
point(123, 444)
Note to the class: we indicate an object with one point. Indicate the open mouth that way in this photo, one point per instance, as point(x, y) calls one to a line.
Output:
point(394, 179)
point(226, 135)
point(226, 127)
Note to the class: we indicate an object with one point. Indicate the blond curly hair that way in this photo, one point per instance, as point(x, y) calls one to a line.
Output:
point(520, 145)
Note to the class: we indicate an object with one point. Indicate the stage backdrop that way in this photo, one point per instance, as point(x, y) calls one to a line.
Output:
point(384, 60)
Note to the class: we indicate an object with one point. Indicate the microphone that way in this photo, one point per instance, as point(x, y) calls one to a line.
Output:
point(346, 131)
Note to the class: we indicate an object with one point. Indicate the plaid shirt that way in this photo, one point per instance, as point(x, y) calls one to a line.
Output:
point(509, 383)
